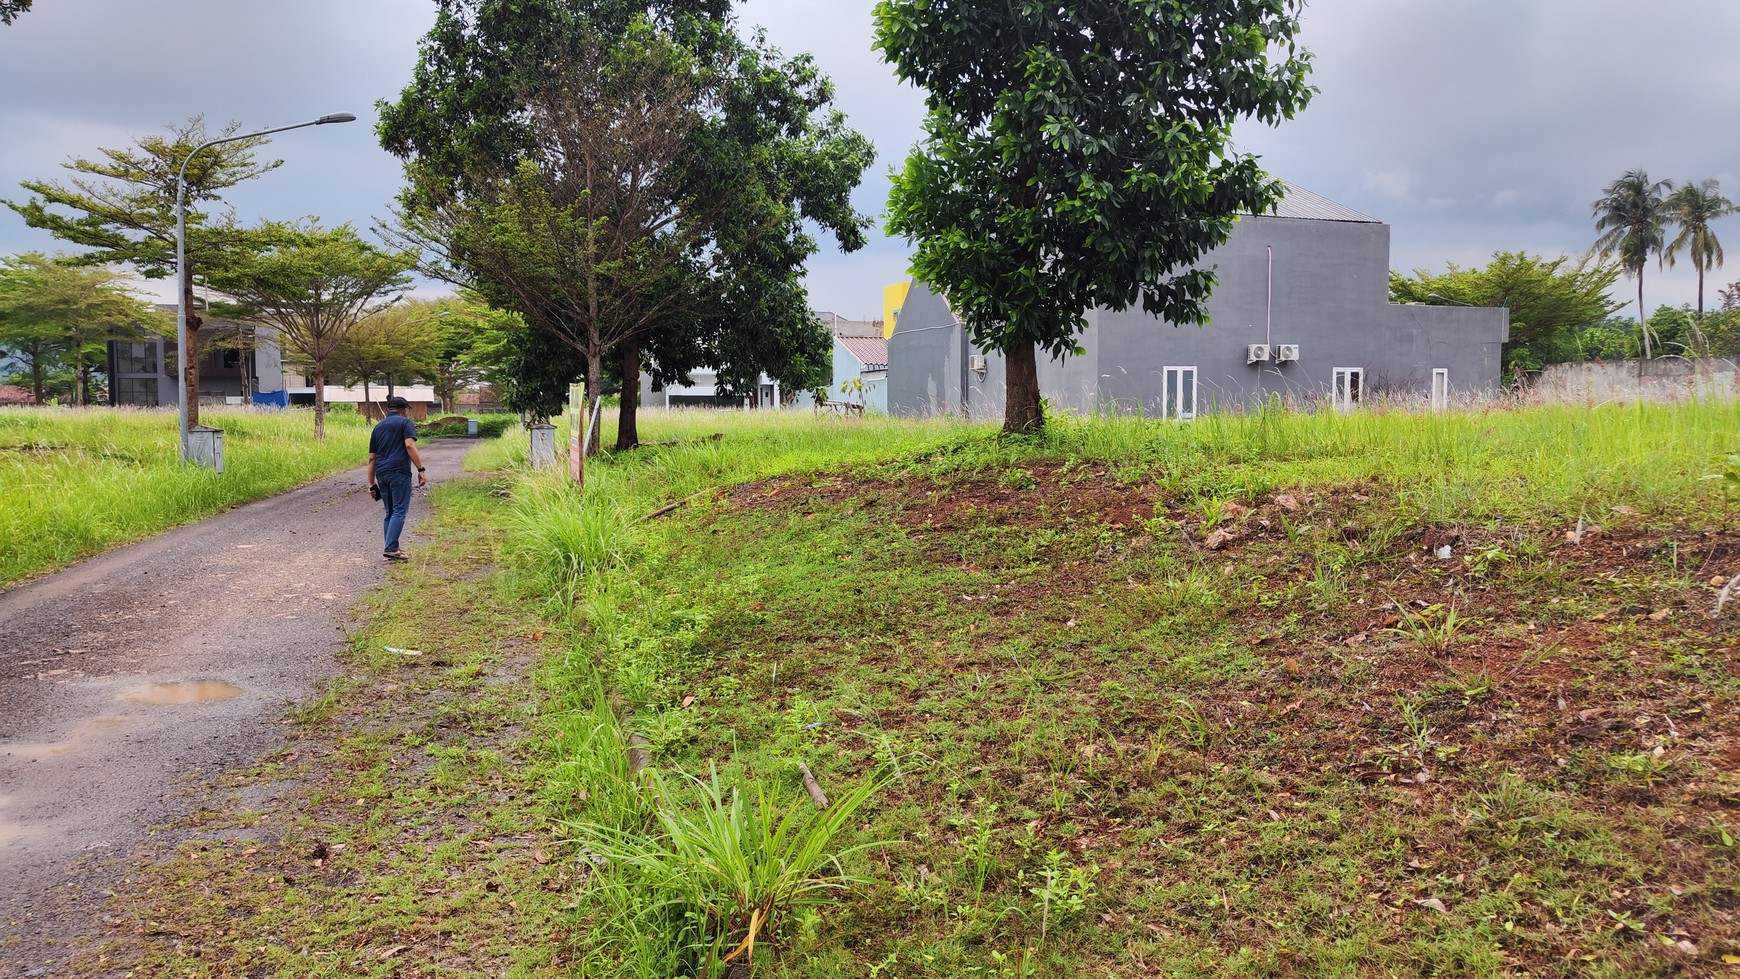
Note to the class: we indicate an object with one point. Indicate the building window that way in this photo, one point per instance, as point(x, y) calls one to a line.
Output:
point(136, 391)
point(1349, 387)
point(135, 358)
point(1180, 394)
point(1440, 388)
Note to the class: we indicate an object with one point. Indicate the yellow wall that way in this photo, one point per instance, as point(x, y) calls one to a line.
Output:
point(893, 297)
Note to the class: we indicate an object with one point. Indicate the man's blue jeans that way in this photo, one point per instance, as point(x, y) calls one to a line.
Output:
point(396, 497)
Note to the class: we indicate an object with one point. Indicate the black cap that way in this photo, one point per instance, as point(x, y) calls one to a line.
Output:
point(396, 403)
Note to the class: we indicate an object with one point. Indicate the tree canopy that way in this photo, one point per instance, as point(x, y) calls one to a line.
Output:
point(313, 285)
point(394, 345)
point(1078, 156)
point(10, 9)
point(121, 207)
point(761, 157)
point(57, 312)
point(1550, 300)
point(1631, 219)
point(1693, 207)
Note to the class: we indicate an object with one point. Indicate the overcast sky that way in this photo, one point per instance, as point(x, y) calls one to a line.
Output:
point(1469, 126)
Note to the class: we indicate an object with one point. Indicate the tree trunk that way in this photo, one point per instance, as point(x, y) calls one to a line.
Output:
point(594, 389)
point(320, 400)
point(627, 432)
point(368, 399)
point(1021, 409)
point(1642, 320)
point(246, 359)
point(38, 382)
point(189, 362)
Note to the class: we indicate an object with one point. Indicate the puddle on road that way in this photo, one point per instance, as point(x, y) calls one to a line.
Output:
point(183, 692)
point(95, 729)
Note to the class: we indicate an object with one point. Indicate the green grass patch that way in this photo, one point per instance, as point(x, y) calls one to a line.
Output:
point(1264, 695)
point(81, 481)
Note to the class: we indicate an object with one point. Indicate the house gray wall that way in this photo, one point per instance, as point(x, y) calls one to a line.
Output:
point(1320, 284)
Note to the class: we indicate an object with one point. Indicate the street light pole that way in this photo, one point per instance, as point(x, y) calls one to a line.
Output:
point(185, 357)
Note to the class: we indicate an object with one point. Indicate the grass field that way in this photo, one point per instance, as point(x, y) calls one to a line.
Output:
point(1272, 695)
point(80, 481)
point(1279, 695)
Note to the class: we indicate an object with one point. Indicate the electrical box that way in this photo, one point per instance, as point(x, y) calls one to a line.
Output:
point(1286, 353)
point(1256, 353)
point(976, 364)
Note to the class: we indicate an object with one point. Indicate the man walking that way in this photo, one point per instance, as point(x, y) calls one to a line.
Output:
point(392, 452)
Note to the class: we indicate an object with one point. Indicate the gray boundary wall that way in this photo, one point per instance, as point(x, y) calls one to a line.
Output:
point(1663, 379)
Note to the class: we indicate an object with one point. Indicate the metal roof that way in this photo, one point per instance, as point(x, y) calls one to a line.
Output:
point(872, 352)
point(1302, 204)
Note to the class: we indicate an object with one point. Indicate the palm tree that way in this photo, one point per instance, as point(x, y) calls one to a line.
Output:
point(1693, 207)
point(1630, 217)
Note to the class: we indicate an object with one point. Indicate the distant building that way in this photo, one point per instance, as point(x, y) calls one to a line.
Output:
point(13, 396)
point(860, 362)
point(1301, 312)
point(702, 391)
point(142, 372)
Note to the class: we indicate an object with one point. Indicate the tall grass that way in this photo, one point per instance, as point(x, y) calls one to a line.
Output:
point(671, 892)
point(1451, 465)
point(75, 482)
point(562, 533)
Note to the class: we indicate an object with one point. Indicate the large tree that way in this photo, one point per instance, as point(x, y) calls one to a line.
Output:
point(764, 157)
point(122, 208)
point(1693, 207)
point(1077, 155)
point(1550, 300)
point(313, 285)
point(592, 236)
point(1631, 217)
point(56, 310)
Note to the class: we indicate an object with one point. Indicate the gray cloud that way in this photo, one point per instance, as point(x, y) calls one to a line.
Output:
point(1470, 126)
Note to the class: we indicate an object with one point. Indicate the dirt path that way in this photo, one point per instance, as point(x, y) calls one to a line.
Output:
point(173, 658)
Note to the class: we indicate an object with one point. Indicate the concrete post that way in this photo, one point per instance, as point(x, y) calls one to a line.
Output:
point(543, 446)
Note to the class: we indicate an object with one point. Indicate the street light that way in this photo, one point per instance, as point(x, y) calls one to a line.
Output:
point(185, 356)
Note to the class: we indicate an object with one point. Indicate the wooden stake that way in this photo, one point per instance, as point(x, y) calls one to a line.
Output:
point(813, 787)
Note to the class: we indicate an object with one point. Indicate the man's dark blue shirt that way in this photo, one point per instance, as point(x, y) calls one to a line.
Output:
point(387, 443)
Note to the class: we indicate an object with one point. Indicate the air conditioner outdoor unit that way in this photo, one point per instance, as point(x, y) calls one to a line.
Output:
point(976, 364)
point(1256, 353)
point(1286, 353)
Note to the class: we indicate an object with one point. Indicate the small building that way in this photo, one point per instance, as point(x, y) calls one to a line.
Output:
point(13, 396)
point(239, 364)
point(702, 391)
point(860, 362)
point(1301, 313)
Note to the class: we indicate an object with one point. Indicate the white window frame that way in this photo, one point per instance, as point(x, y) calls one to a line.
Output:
point(1170, 402)
point(1440, 388)
point(1348, 388)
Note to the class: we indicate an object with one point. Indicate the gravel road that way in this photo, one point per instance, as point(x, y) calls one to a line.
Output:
point(130, 678)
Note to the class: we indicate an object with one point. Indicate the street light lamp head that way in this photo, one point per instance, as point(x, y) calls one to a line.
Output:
point(335, 117)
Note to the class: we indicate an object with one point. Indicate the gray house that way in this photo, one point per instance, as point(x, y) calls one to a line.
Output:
point(1302, 313)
